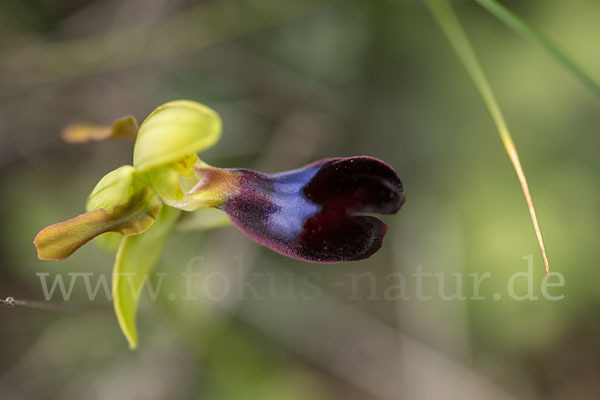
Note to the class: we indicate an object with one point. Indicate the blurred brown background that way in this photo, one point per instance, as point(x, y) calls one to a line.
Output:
point(295, 81)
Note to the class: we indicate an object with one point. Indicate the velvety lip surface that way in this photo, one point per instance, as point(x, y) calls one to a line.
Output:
point(314, 213)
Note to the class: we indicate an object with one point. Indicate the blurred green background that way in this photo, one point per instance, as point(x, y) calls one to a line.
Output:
point(296, 81)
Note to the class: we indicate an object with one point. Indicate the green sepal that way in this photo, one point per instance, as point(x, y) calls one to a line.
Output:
point(120, 203)
point(115, 188)
point(58, 241)
point(174, 130)
point(136, 257)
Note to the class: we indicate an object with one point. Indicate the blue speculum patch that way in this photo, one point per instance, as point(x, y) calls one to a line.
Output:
point(291, 208)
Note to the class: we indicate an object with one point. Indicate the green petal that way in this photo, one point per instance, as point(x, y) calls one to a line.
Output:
point(174, 130)
point(123, 128)
point(136, 257)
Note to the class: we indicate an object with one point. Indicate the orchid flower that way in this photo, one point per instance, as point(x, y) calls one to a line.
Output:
point(314, 213)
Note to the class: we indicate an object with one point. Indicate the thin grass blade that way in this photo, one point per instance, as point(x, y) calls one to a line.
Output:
point(520, 26)
point(446, 17)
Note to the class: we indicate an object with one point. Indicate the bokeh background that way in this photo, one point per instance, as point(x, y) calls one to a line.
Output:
point(296, 81)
